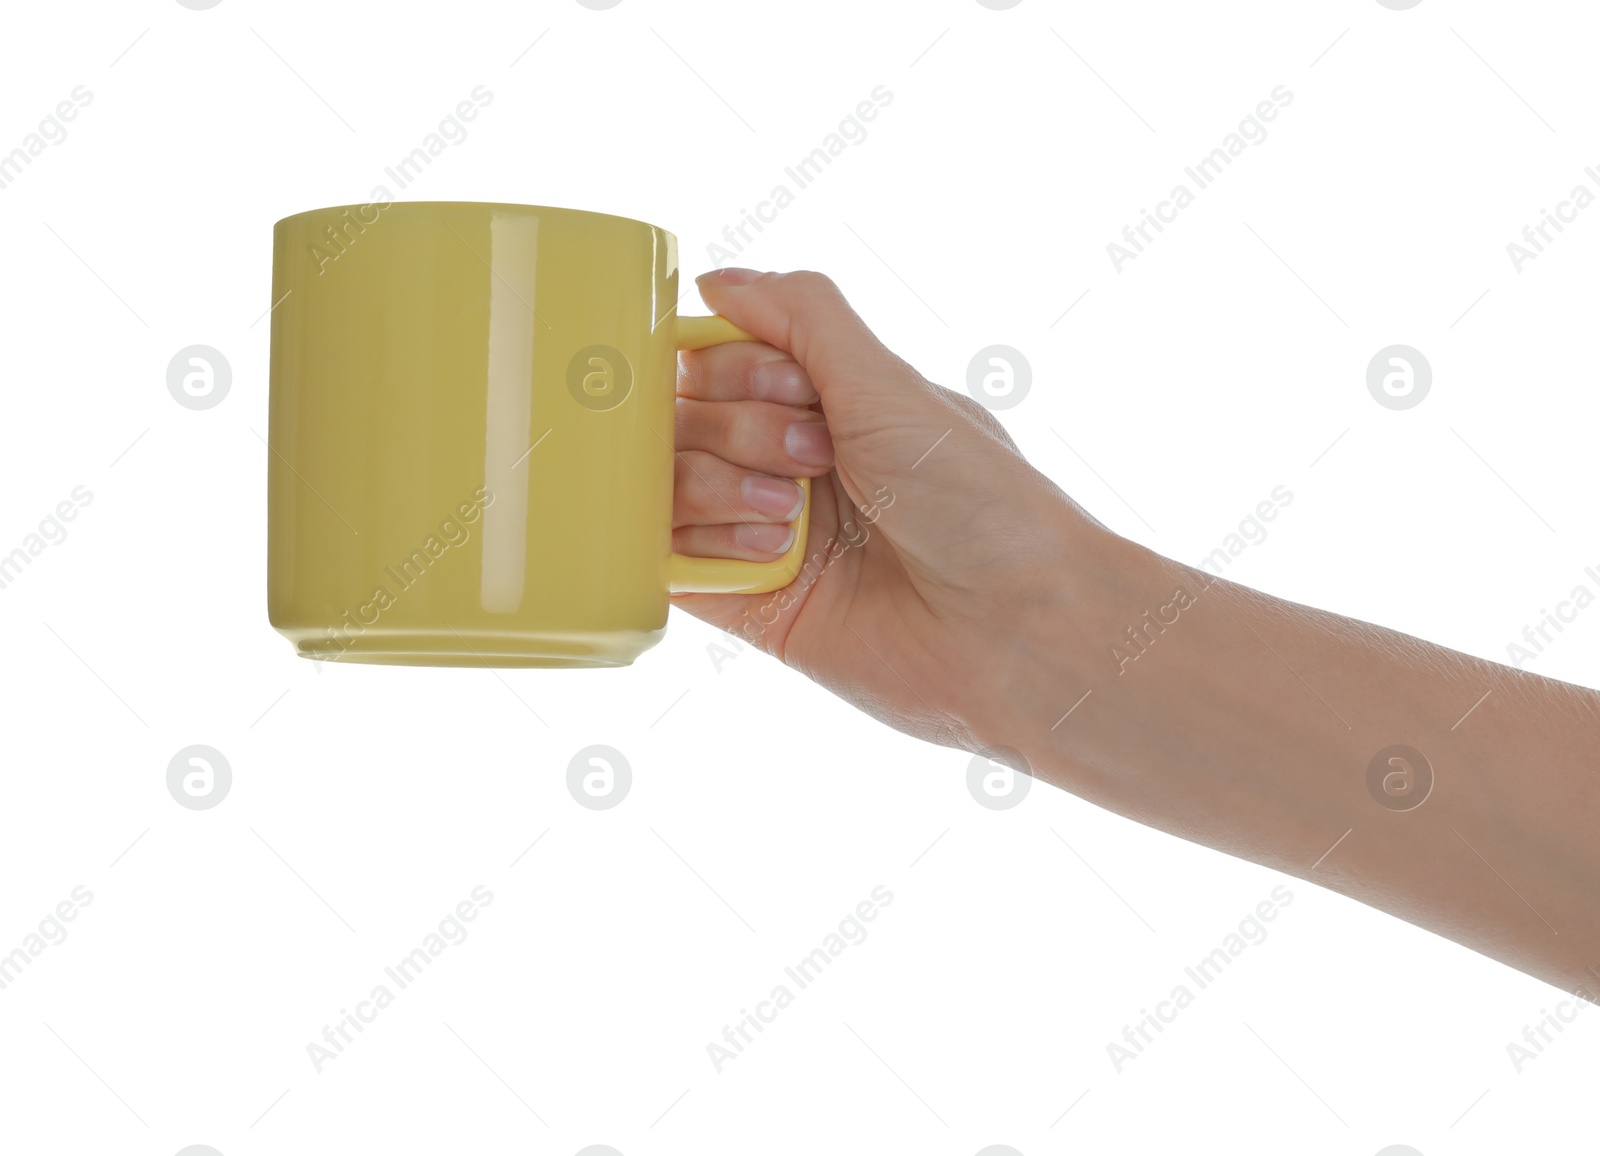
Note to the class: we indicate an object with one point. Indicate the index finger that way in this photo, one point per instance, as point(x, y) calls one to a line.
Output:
point(744, 371)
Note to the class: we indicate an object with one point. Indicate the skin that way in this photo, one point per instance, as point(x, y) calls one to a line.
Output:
point(959, 596)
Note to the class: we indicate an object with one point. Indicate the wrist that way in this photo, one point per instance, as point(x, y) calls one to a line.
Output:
point(1057, 643)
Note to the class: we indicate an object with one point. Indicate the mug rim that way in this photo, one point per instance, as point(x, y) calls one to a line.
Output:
point(542, 209)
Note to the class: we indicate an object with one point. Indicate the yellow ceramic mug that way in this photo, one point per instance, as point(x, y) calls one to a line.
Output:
point(471, 436)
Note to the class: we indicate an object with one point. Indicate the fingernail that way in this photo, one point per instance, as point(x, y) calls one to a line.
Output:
point(730, 276)
point(767, 538)
point(809, 444)
point(774, 497)
point(782, 381)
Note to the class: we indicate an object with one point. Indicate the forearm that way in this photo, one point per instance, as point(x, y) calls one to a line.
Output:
point(1248, 723)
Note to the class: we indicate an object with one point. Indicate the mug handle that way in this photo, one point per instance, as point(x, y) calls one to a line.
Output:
point(686, 575)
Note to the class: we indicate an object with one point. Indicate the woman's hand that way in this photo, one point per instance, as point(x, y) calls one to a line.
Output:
point(933, 543)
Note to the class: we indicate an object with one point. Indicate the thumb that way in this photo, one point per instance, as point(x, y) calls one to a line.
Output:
point(865, 388)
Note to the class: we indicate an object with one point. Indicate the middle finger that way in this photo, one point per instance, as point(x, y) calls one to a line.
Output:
point(758, 435)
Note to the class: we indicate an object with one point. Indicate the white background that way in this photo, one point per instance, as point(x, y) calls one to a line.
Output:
point(366, 802)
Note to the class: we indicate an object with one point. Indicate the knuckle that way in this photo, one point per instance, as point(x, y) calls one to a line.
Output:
point(811, 281)
point(980, 416)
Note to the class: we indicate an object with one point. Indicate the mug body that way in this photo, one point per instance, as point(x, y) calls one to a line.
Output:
point(470, 434)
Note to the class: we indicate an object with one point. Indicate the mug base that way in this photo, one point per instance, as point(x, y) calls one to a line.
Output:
point(554, 650)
